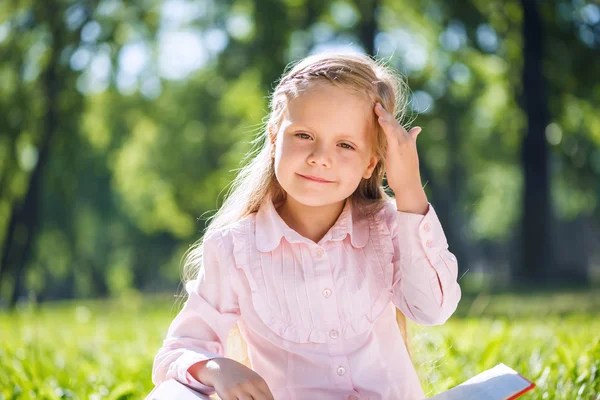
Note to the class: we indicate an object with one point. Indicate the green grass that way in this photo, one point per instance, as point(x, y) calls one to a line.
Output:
point(104, 349)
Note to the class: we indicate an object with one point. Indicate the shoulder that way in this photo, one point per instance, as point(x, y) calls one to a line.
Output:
point(380, 217)
point(232, 241)
point(238, 230)
point(389, 210)
point(382, 212)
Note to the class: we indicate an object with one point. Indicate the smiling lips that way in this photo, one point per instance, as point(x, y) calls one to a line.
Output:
point(315, 179)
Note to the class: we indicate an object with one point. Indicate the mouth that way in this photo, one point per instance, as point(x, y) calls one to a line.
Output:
point(315, 179)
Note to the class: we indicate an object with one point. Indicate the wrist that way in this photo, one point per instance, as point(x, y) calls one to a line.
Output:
point(412, 201)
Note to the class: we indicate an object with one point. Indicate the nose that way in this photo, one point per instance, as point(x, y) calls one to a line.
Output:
point(319, 157)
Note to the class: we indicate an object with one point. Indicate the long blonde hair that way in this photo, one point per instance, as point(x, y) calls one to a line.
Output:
point(256, 180)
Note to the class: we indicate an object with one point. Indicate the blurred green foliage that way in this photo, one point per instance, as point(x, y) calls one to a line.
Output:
point(122, 124)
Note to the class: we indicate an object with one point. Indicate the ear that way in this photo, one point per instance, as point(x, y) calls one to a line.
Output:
point(372, 164)
point(272, 135)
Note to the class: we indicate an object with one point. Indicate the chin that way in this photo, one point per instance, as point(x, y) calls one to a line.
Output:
point(316, 198)
point(314, 201)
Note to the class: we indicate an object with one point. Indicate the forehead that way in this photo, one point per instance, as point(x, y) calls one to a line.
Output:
point(332, 110)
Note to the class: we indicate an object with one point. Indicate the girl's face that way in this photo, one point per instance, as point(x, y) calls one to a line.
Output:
point(324, 145)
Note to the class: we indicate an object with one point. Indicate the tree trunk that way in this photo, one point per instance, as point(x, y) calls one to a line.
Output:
point(28, 215)
point(11, 162)
point(452, 215)
point(367, 28)
point(536, 250)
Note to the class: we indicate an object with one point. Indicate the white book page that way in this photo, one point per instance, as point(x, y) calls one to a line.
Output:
point(498, 383)
point(174, 390)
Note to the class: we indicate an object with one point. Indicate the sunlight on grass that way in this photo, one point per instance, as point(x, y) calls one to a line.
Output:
point(104, 349)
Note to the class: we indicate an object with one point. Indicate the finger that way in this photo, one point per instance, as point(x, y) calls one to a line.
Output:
point(382, 113)
point(261, 392)
point(254, 394)
point(388, 131)
point(266, 392)
point(389, 122)
point(396, 132)
point(386, 122)
point(414, 132)
point(379, 110)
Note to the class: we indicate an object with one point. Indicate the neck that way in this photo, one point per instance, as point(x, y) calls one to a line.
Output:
point(312, 222)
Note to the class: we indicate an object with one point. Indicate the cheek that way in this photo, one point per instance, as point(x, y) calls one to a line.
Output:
point(291, 150)
point(351, 165)
point(287, 154)
point(352, 159)
point(355, 165)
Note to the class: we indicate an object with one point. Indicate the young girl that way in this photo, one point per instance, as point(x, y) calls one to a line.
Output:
point(311, 258)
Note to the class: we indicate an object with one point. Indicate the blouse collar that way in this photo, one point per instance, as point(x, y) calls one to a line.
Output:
point(270, 228)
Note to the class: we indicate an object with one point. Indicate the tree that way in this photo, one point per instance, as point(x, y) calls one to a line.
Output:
point(24, 222)
point(536, 247)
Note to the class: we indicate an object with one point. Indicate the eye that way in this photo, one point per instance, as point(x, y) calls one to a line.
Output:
point(346, 146)
point(303, 135)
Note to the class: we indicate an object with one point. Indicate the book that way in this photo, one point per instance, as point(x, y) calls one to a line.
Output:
point(172, 389)
point(498, 383)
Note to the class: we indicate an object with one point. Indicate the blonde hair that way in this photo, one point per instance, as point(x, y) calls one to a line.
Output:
point(256, 180)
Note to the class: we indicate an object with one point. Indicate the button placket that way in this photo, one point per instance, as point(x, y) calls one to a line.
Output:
point(341, 373)
point(330, 306)
point(326, 292)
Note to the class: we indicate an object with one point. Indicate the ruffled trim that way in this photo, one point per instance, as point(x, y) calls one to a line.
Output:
point(243, 249)
point(364, 323)
point(242, 252)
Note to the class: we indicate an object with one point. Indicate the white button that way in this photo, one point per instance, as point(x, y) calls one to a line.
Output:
point(341, 371)
point(326, 293)
point(426, 227)
point(333, 334)
point(319, 252)
point(429, 243)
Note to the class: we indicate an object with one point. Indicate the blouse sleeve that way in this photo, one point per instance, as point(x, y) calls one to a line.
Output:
point(199, 332)
point(425, 286)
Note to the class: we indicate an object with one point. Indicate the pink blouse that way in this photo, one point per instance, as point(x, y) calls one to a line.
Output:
point(318, 318)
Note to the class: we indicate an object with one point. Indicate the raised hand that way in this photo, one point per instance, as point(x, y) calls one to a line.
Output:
point(402, 160)
point(402, 163)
